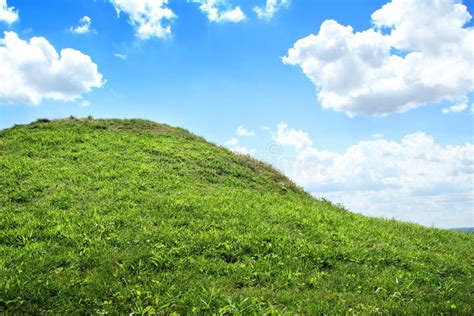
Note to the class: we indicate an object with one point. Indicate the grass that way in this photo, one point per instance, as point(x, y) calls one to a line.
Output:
point(130, 216)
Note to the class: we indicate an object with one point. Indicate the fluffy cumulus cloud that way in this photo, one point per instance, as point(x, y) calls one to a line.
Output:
point(232, 142)
point(414, 179)
point(418, 52)
point(7, 14)
point(286, 136)
point(34, 70)
point(242, 131)
point(458, 107)
point(219, 11)
point(241, 150)
point(84, 26)
point(234, 145)
point(150, 17)
point(271, 7)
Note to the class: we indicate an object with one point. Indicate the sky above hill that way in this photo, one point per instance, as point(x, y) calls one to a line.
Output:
point(367, 103)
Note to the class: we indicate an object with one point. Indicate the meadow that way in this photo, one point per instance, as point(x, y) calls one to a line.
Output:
point(131, 216)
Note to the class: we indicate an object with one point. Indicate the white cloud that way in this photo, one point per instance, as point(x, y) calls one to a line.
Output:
point(147, 16)
point(271, 7)
point(31, 71)
point(414, 179)
point(83, 27)
point(218, 11)
point(243, 150)
point(416, 163)
point(242, 131)
point(121, 56)
point(286, 136)
point(455, 108)
point(7, 14)
point(419, 52)
point(232, 142)
point(233, 145)
point(458, 107)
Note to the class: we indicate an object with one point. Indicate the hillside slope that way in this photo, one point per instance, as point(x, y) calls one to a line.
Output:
point(126, 216)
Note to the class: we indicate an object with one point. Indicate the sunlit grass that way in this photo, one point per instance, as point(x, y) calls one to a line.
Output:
point(124, 216)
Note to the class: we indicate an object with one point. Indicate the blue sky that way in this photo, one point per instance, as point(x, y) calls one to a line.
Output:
point(213, 76)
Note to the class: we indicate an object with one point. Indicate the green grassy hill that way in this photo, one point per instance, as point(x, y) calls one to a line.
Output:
point(125, 216)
